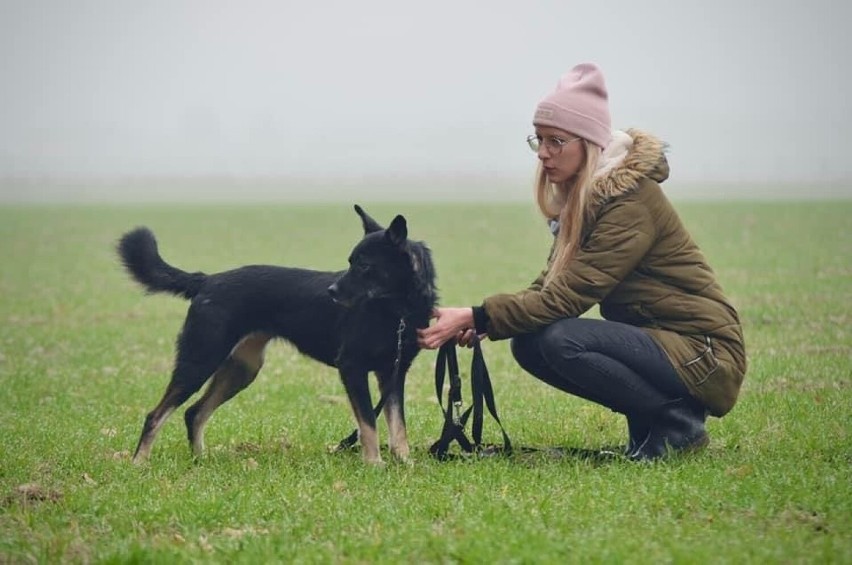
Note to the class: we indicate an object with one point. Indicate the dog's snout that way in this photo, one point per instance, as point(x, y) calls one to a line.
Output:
point(333, 290)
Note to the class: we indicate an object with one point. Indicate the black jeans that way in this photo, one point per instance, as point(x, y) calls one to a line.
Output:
point(613, 364)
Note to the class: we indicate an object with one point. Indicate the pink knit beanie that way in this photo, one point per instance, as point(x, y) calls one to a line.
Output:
point(578, 105)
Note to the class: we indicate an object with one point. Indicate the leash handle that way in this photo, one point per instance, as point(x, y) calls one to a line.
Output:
point(454, 419)
point(480, 376)
point(455, 394)
point(447, 360)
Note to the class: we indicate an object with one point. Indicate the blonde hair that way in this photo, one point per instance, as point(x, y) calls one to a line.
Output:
point(570, 204)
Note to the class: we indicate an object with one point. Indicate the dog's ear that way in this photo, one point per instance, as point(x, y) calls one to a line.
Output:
point(370, 225)
point(398, 231)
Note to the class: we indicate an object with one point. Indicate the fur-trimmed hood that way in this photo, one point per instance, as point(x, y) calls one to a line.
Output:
point(629, 157)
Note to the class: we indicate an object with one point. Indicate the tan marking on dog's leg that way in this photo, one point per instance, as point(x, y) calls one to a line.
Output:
point(397, 435)
point(367, 435)
point(155, 420)
point(149, 434)
point(358, 392)
point(227, 381)
point(250, 350)
point(369, 443)
point(236, 373)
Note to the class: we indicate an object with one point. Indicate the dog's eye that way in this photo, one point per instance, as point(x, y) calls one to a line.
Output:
point(358, 266)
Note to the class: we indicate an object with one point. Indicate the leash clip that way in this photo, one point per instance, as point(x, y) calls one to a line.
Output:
point(457, 412)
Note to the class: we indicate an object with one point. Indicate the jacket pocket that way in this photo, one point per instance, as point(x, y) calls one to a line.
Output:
point(713, 376)
point(704, 365)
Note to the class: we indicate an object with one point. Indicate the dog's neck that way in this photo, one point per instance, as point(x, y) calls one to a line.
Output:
point(414, 309)
point(422, 299)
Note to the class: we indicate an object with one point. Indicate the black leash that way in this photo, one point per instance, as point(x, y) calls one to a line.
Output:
point(454, 419)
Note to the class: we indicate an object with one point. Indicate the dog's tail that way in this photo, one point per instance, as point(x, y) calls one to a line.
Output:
point(138, 251)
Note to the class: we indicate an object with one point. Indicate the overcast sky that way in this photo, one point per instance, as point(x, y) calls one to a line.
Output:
point(743, 91)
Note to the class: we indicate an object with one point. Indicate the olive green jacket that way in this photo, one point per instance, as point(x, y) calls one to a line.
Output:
point(638, 262)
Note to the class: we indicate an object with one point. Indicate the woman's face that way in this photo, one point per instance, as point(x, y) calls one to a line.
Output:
point(561, 153)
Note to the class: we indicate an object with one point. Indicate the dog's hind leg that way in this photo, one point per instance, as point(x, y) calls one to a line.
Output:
point(236, 373)
point(200, 351)
point(394, 411)
point(187, 378)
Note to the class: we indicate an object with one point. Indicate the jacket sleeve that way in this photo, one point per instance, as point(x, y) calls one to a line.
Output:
point(538, 283)
point(622, 235)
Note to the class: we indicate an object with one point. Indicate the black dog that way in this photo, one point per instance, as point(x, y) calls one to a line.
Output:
point(359, 320)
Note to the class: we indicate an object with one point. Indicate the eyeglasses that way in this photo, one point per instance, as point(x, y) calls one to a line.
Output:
point(553, 144)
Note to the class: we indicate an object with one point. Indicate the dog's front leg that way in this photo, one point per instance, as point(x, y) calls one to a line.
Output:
point(394, 411)
point(358, 389)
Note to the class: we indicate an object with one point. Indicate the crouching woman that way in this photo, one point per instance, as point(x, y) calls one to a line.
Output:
point(669, 351)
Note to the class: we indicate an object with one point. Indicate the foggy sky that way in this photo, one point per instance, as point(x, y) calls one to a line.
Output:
point(742, 91)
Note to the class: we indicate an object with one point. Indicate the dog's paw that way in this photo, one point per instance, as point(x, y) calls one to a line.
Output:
point(375, 462)
point(403, 456)
point(405, 461)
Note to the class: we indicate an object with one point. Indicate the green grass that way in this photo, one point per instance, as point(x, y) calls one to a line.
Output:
point(84, 354)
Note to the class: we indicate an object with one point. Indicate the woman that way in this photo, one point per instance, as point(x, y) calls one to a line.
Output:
point(670, 348)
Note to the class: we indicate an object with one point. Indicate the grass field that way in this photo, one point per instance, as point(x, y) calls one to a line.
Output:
point(84, 354)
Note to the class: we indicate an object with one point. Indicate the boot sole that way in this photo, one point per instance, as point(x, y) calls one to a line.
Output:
point(699, 444)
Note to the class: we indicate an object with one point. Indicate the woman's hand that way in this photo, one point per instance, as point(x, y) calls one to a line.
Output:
point(468, 337)
point(449, 323)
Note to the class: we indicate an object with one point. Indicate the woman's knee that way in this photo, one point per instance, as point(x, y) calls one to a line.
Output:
point(525, 351)
point(529, 352)
point(561, 341)
point(558, 339)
